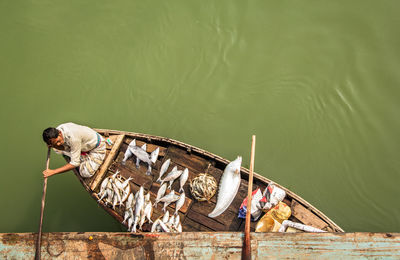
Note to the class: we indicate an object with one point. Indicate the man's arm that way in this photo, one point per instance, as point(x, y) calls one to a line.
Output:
point(65, 168)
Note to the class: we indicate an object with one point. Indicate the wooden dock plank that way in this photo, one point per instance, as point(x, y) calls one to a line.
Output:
point(201, 245)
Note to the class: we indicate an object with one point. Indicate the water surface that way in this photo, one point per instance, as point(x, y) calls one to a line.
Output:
point(316, 81)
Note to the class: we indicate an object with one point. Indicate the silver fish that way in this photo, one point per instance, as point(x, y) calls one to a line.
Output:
point(130, 222)
point(126, 216)
point(172, 175)
point(154, 155)
point(116, 192)
point(103, 185)
point(164, 168)
point(129, 203)
point(128, 154)
point(179, 203)
point(228, 187)
point(141, 155)
point(160, 193)
point(183, 179)
point(147, 198)
point(171, 221)
point(177, 221)
point(168, 199)
point(138, 208)
point(165, 217)
point(148, 211)
point(126, 193)
point(179, 228)
point(115, 201)
point(164, 226)
point(155, 224)
point(126, 182)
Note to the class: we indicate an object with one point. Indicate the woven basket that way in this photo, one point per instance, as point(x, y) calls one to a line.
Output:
point(203, 187)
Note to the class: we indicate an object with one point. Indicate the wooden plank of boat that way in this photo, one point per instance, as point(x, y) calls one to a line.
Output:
point(194, 214)
point(201, 245)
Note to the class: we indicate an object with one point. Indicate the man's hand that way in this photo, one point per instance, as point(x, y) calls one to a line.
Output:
point(48, 173)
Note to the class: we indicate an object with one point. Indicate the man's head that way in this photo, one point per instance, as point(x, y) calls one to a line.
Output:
point(53, 137)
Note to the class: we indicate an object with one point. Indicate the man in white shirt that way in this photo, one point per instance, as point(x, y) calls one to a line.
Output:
point(84, 146)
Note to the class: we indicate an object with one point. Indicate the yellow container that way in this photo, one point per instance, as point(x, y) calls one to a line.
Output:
point(272, 220)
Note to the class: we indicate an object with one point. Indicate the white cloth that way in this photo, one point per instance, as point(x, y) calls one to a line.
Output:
point(78, 139)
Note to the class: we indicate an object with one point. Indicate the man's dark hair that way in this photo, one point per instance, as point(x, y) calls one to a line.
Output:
point(50, 133)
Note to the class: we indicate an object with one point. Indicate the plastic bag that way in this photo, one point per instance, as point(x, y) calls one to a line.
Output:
point(271, 221)
point(256, 211)
point(272, 196)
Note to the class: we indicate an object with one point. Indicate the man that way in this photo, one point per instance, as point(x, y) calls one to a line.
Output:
point(84, 146)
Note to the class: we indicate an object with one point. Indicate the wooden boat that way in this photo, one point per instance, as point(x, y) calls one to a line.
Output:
point(193, 214)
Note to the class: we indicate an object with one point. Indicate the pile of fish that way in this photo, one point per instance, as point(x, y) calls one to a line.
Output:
point(167, 223)
point(170, 198)
point(138, 210)
point(141, 155)
point(173, 175)
point(114, 190)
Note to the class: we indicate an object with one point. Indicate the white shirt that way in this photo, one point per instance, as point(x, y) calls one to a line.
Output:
point(77, 139)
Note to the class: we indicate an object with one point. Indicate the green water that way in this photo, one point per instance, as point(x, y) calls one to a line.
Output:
point(318, 82)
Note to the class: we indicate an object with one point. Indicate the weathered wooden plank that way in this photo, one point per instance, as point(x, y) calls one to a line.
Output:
point(194, 163)
point(108, 160)
point(306, 216)
point(192, 226)
point(205, 221)
point(201, 245)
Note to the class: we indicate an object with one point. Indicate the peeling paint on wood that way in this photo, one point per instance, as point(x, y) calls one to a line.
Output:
point(204, 245)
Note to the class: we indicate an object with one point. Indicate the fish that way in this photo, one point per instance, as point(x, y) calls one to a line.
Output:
point(126, 193)
point(116, 192)
point(171, 221)
point(177, 221)
point(155, 224)
point(154, 155)
point(128, 154)
point(126, 216)
point(129, 203)
point(130, 222)
point(138, 208)
point(148, 211)
point(179, 228)
point(183, 179)
point(103, 185)
point(165, 217)
point(126, 182)
point(114, 201)
point(142, 155)
point(228, 187)
point(168, 199)
point(164, 168)
point(160, 193)
point(172, 175)
point(179, 203)
point(164, 226)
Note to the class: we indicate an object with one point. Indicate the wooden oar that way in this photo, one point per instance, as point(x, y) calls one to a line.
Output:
point(39, 238)
point(246, 251)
